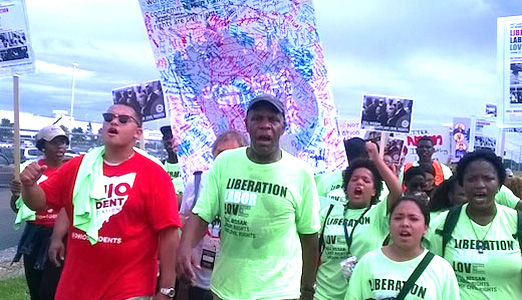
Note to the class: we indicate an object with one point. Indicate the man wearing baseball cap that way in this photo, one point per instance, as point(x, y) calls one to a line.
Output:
point(41, 275)
point(171, 163)
point(268, 206)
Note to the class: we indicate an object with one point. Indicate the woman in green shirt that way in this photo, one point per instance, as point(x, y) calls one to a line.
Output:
point(482, 246)
point(354, 229)
point(383, 273)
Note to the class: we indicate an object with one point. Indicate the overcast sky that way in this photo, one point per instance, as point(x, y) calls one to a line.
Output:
point(440, 53)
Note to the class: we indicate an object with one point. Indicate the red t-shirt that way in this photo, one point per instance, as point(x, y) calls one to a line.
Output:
point(46, 217)
point(123, 263)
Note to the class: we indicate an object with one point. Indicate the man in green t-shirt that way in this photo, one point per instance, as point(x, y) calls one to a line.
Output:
point(267, 202)
point(171, 163)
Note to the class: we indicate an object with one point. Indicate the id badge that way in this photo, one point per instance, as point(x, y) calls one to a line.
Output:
point(207, 259)
point(347, 266)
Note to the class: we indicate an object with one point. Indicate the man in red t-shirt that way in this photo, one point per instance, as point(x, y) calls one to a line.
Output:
point(137, 220)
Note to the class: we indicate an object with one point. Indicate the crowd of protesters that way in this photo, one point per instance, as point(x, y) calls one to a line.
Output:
point(259, 225)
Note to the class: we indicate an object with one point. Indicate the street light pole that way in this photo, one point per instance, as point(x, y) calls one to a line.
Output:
point(75, 65)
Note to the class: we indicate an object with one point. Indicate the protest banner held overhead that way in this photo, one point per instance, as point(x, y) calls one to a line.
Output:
point(215, 56)
point(509, 53)
point(147, 97)
point(16, 54)
point(386, 113)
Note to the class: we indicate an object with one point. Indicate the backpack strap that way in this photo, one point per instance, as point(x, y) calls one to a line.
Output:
point(415, 275)
point(197, 183)
point(449, 226)
point(321, 237)
point(518, 234)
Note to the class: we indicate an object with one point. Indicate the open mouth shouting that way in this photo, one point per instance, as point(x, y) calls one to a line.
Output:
point(112, 131)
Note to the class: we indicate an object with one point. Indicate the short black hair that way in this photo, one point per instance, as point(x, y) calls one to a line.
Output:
point(428, 169)
point(440, 199)
point(425, 138)
point(421, 203)
point(137, 111)
point(367, 164)
point(412, 172)
point(355, 148)
point(485, 155)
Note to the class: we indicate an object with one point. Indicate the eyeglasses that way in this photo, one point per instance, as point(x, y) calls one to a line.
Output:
point(123, 119)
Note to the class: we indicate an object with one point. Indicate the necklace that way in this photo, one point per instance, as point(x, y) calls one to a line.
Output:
point(480, 242)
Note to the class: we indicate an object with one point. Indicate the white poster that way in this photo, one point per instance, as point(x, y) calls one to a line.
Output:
point(16, 54)
point(214, 56)
point(485, 134)
point(438, 134)
point(509, 52)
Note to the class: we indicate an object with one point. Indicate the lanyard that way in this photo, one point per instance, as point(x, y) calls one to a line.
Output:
point(349, 238)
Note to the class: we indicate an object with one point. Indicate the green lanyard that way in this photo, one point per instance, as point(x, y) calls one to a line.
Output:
point(349, 238)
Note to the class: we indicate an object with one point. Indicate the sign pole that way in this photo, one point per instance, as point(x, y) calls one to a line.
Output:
point(16, 129)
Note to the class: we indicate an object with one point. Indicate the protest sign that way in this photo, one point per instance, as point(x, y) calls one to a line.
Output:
point(485, 134)
point(16, 54)
point(146, 97)
point(460, 138)
point(386, 113)
point(349, 128)
point(439, 135)
point(215, 56)
point(509, 57)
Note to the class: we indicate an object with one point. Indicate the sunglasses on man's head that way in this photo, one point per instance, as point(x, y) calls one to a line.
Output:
point(123, 119)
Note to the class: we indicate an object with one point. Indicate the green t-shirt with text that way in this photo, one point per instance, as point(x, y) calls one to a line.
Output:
point(174, 171)
point(492, 273)
point(378, 277)
point(263, 208)
point(369, 234)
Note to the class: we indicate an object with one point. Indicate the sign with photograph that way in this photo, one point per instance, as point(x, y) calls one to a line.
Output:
point(386, 113)
point(509, 52)
point(16, 54)
point(485, 134)
point(460, 138)
point(145, 97)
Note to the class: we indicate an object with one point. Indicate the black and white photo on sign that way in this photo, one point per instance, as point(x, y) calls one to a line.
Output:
point(484, 142)
point(516, 74)
point(146, 97)
point(14, 53)
point(515, 94)
point(386, 113)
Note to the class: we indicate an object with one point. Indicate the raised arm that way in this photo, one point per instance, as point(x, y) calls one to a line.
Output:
point(33, 195)
point(392, 182)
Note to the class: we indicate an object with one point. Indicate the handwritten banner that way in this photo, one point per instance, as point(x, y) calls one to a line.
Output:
point(215, 56)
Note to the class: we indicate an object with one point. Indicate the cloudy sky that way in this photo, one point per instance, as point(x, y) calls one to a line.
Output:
point(440, 53)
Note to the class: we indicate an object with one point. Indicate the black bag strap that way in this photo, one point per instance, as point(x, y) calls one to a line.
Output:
point(449, 226)
point(518, 235)
point(197, 182)
point(321, 237)
point(415, 275)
